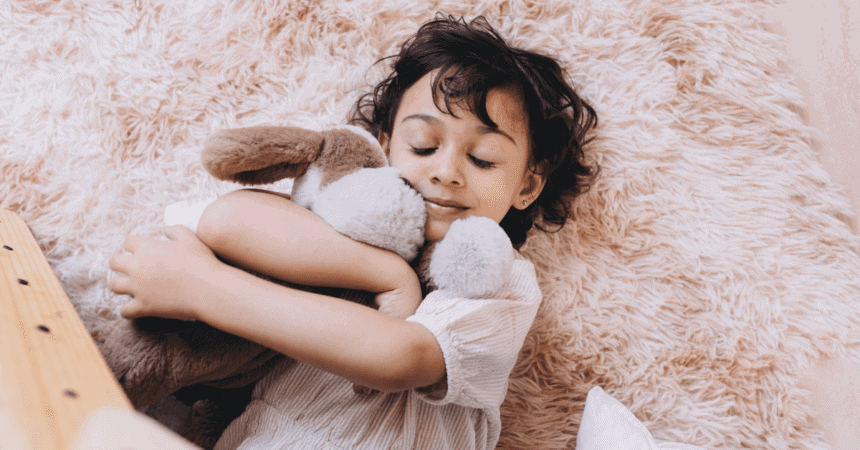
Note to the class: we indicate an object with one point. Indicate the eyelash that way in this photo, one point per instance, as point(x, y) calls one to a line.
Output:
point(480, 163)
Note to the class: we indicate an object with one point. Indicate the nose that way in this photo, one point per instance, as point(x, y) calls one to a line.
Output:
point(446, 168)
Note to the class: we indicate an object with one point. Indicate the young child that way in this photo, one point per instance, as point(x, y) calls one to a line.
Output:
point(478, 128)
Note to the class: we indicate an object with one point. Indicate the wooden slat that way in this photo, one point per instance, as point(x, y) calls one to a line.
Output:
point(52, 376)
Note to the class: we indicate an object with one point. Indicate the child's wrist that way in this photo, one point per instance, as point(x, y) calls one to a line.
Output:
point(209, 288)
point(404, 296)
point(395, 273)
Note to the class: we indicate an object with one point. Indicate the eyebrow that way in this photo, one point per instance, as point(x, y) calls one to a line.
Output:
point(434, 121)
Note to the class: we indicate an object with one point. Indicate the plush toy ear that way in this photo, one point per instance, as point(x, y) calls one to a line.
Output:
point(348, 148)
point(261, 155)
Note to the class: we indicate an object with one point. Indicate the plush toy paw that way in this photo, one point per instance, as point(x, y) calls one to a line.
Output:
point(377, 207)
point(151, 357)
point(475, 258)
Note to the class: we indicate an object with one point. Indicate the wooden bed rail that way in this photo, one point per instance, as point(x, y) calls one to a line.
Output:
point(52, 377)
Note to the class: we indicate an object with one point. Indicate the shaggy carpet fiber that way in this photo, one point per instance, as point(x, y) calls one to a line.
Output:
point(710, 264)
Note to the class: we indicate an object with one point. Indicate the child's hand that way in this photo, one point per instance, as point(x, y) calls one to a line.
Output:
point(165, 278)
point(402, 301)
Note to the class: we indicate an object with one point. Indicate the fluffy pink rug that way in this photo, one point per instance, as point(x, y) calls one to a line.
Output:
point(711, 262)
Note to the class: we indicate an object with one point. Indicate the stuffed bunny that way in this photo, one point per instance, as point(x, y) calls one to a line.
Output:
point(341, 175)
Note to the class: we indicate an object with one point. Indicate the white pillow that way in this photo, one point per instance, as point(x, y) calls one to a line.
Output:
point(609, 425)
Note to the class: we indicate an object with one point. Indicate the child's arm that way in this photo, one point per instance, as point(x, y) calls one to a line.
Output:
point(181, 278)
point(269, 234)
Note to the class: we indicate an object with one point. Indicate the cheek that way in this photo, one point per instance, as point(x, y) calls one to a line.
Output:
point(394, 160)
point(497, 198)
point(400, 160)
point(407, 171)
point(411, 169)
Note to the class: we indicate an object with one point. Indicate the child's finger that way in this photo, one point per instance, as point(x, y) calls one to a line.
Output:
point(120, 262)
point(120, 285)
point(131, 310)
point(132, 243)
point(177, 232)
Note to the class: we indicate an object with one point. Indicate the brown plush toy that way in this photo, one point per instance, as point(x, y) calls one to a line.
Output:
point(342, 175)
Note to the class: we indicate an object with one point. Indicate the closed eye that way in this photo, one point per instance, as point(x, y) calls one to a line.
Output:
point(478, 162)
point(481, 163)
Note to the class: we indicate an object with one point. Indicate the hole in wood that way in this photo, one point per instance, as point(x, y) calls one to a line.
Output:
point(70, 393)
point(8, 248)
point(23, 281)
point(44, 328)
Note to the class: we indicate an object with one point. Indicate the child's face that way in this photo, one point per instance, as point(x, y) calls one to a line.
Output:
point(459, 165)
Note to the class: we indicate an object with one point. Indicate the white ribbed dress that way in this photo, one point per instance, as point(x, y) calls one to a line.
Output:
point(298, 406)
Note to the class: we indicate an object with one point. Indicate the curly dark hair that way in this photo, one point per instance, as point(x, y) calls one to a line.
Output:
point(471, 59)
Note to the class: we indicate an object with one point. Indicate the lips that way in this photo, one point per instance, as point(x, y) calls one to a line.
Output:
point(444, 207)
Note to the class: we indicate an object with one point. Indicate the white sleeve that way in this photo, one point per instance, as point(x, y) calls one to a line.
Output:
point(480, 338)
point(187, 213)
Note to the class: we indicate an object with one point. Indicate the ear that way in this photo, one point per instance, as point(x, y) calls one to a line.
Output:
point(261, 155)
point(533, 184)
